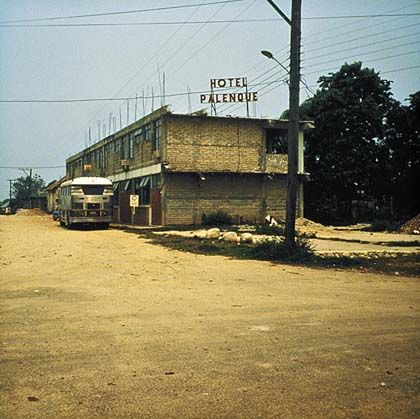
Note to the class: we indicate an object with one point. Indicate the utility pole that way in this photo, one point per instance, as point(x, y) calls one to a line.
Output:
point(293, 129)
point(10, 191)
point(29, 177)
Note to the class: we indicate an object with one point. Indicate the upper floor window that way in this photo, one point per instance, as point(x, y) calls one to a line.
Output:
point(131, 147)
point(276, 141)
point(148, 132)
point(158, 134)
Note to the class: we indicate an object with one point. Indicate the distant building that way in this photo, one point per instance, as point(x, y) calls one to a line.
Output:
point(184, 166)
point(52, 193)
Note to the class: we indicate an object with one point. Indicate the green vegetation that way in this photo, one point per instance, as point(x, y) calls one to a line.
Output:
point(275, 249)
point(269, 230)
point(364, 152)
point(405, 264)
point(26, 187)
point(218, 218)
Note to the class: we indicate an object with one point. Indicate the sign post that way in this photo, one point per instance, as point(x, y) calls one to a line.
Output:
point(134, 203)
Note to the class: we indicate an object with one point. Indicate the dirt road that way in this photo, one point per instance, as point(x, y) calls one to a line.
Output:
point(104, 324)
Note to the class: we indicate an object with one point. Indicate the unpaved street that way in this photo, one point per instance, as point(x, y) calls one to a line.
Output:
point(104, 324)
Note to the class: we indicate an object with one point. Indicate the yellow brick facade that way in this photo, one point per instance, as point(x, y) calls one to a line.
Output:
point(204, 164)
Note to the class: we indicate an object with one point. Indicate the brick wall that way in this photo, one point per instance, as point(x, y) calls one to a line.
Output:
point(247, 197)
point(207, 144)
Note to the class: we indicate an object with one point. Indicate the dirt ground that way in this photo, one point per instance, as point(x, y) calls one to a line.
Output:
point(105, 324)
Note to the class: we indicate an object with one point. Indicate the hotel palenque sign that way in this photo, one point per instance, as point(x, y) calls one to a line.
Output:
point(233, 82)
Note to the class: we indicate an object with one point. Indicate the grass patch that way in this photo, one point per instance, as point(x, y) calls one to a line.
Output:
point(408, 265)
point(268, 230)
point(415, 243)
point(218, 218)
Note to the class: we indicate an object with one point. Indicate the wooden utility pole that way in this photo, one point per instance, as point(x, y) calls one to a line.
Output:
point(10, 191)
point(293, 131)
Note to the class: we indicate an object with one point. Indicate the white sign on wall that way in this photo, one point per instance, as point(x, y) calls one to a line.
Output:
point(134, 200)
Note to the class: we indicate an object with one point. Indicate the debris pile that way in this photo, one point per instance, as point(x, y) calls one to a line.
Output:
point(30, 212)
point(411, 226)
point(304, 225)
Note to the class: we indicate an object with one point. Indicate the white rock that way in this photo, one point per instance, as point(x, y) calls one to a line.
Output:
point(213, 233)
point(247, 238)
point(200, 234)
point(230, 236)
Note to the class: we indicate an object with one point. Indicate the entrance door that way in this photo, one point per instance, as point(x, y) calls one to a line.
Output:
point(125, 211)
point(156, 202)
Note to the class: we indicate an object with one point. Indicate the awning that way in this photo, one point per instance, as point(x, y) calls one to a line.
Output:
point(144, 182)
point(115, 186)
point(125, 185)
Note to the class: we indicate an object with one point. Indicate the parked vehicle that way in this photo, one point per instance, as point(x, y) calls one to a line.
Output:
point(86, 200)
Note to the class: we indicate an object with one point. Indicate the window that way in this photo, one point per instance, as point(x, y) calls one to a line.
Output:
point(122, 148)
point(155, 181)
point(158, 134)
point(142, 188)
point(137, 135)
point(116, 197)
point(148, 132)
point(131, 147)
point(276, 141)
point(93, 189)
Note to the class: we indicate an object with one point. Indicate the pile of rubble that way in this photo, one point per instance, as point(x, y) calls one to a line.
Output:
point(229, 236)
point(30, 212)
point(411, 226)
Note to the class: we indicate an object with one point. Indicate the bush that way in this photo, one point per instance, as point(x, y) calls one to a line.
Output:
point(269, 230)
point(218, 218)
point(382, 225)
point(275, 249)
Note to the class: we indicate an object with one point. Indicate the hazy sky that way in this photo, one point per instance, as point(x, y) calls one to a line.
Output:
point(119, 61)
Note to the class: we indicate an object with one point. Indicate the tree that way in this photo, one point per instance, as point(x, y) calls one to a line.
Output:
point(400, 157)
point(349, 111)
point(26, 187)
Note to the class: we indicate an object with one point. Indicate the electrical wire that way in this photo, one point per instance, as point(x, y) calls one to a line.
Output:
point(31, 167)
point(195, 22)
point(108, 99)
point(362, 53)
point(365, 36)
point(361, 46)
point(125, 12)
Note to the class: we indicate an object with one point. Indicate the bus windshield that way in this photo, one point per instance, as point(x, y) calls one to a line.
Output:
point(93, 189)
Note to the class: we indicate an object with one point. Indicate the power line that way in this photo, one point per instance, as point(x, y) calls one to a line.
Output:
point(361, 46)
point(170, 22)
point(107, 99)
point(388, 21)
point(161, 23)
point(365, 36)
point(31, 167)
point(370, 52)
point(400, 69)
point(125, 12)
point(359, 16)
point(369, 61)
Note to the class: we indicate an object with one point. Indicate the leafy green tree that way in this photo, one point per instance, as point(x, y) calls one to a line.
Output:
point(349, 111)
point(400, 158)
point(26, 187)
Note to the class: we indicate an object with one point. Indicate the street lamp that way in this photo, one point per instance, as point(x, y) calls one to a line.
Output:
point(269, 55)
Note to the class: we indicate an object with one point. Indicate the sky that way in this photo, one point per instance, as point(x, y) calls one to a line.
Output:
point(122, 61)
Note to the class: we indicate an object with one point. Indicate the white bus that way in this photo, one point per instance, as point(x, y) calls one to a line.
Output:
point(86, 200)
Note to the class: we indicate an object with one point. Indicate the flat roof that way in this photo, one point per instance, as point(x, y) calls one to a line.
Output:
point(91, 180)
